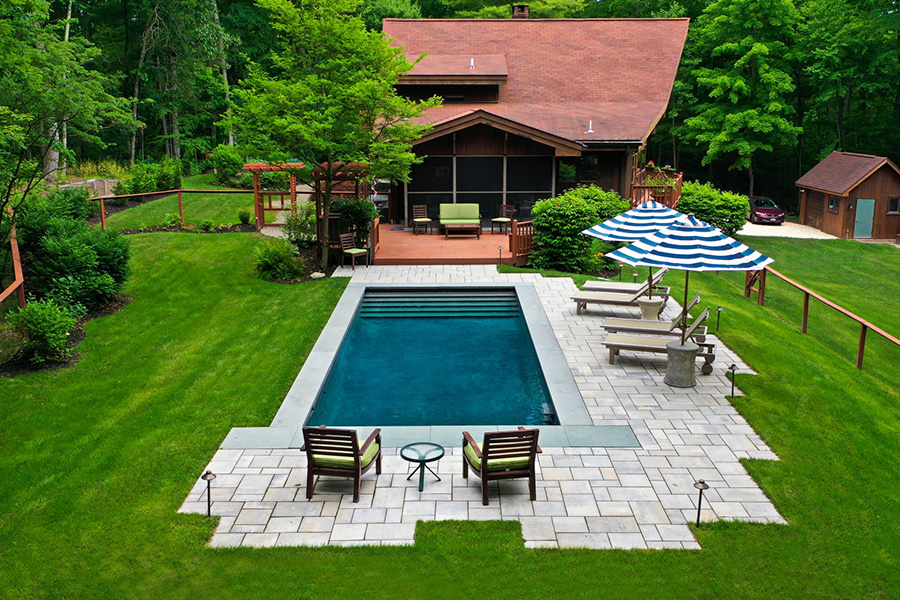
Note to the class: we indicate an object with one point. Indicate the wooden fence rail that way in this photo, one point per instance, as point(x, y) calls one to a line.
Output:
point(755, 281)
point(521, 241)
point(102, 199)
point(18, 284)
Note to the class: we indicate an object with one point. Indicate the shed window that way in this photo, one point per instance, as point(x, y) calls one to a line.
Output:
point(834, 203)
point(894, 204)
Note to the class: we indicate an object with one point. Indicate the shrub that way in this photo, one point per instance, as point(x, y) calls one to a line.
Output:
point(244, 180)
point(558, 223)
point(206, 225)
point(725, 210)
point(607, 204)
point(168, 174)
point(273, 180)
point(45, 325)
point(244, 216)
point(227, 160)
point(70, 202)
point(300, 225)
point(171, 220)
point(276, 260)
point(357, 215)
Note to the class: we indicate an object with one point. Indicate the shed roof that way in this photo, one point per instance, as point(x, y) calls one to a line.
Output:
point(840, 172)
point(585, 80)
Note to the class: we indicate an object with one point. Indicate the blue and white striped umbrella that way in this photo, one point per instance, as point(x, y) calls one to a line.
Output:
point(636, 224)
point(691, 245)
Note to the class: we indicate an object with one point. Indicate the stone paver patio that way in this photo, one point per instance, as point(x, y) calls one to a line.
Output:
point(587, 497)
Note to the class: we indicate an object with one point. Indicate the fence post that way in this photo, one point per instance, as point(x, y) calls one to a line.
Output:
point(180, 208)
point(761, 294)
point(514, 239)
point(102, 214)
point(805, 312)
point(862, 345)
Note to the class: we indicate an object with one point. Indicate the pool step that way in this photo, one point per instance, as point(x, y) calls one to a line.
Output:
point(439, 303)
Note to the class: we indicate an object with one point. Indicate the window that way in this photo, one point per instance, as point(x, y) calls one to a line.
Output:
point(894, 204)
point(834, 203)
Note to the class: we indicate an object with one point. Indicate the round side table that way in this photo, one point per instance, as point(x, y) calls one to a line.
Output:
point(422, 453)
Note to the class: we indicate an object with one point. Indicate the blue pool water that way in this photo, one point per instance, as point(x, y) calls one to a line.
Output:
point(417, 357)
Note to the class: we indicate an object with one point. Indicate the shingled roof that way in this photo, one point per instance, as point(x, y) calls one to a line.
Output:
point(601, 81)
point(840, 172)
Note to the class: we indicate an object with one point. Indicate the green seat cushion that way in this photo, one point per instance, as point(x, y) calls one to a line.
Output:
point(496, 464)
point(460, 221)
point(422, 220)
point(346, 462)
point(355, 251)
point(501, 220)
point(458, 211)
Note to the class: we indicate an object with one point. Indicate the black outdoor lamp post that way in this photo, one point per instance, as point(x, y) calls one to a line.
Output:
point(634, 277)
point(733, 369)
point(718, 316)
point(208, 477)
point(500, 250)
point(700, 485)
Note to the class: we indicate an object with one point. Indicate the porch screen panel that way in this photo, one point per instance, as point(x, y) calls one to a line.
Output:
point(524, 202)
point(488, 203)
point(529, 173)
point(434, 174)
point(479, 174)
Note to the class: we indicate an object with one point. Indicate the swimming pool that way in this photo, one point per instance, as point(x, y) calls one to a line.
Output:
point(458, 356)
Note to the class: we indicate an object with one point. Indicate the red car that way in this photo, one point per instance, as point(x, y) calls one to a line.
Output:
point(764, 210)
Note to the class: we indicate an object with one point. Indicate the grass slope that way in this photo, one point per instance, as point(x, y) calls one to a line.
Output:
point(222, 209)
point(97, 459)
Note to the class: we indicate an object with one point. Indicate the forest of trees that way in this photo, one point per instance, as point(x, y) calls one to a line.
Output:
point(766, 88)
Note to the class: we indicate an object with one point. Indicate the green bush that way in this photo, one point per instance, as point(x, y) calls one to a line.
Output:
point(357, 215)
point(243, 180)
point(171, 220)
point(168, 174)
point(558, 224)
point(45, 325)
point(275, 260)
point(227, 160)
point(244, 216)
point(206, 225)
point(300, 226)
point(725, 210)
point(273, 180)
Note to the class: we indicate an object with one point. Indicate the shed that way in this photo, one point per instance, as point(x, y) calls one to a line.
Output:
point(852, 196)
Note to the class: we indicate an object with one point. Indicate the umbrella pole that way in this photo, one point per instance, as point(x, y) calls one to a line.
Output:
point(650, 282)
point(687, 275)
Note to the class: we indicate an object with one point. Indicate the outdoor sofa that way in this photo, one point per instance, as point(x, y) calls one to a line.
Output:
point(460, 214)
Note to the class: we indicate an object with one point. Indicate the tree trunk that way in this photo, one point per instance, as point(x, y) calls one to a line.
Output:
point(173, 89)
point(224, 67)
point(63, 128)
point(146, 40)
point(750, 171)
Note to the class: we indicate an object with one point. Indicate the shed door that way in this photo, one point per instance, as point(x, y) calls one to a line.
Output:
point(865, 213)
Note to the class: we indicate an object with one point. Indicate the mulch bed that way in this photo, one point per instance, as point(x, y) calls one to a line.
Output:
point(189, 228)
point(21, 364)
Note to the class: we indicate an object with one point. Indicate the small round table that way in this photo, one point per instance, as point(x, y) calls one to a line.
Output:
point(422, 453)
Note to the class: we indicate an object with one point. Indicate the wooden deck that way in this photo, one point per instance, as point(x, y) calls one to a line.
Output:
point(403, 247)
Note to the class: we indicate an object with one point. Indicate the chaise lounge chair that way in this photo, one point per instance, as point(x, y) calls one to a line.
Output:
point(336, 452)
point(623, 287)
point(582, 299)
point(503, 455)
point(671, 328)
point(640, 343)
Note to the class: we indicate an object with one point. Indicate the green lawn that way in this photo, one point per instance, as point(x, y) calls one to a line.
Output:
point(222, 209)
point(97, 459)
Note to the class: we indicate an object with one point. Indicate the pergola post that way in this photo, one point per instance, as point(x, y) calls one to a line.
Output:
point(257, 202)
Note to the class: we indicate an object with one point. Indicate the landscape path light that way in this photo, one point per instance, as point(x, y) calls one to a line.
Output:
point(208, 477)
point(700, 485)
point(733, 369)
point(718, 316)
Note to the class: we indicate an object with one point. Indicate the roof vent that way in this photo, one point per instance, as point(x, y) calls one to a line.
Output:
point(519, 11)
point(471, 63)
point(590, 127)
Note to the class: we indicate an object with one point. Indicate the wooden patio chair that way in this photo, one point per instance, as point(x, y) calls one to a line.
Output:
point(420, 218)
point(336, 452)
point(504, 221)
point(348, 245)
point(503, 455)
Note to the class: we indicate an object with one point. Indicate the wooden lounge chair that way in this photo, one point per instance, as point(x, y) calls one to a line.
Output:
point(348, 245)
point(641, 343)
point(624, 287)
point(503, 455)
point(336, 452)
point(420, 219)
point(582, 299)
point(672, 328)
point(504, 221)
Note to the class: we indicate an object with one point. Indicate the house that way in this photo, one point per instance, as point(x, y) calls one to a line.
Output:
point(852, 196)
point(532, 107)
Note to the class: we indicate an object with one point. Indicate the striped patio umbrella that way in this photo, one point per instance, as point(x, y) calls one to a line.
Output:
point(691, 245)
point(636, 224)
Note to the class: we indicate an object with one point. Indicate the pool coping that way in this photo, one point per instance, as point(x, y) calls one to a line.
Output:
point(576, 426)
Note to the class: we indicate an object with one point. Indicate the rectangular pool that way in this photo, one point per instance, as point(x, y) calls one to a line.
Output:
point(459, 356)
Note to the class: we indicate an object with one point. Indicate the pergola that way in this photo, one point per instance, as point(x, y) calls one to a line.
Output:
point(347, 178)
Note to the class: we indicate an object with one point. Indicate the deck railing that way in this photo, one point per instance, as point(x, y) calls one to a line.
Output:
point(642, 191)
point(521, 240)
point(755, 281)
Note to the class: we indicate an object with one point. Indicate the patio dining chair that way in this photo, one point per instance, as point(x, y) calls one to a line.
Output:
point(336, 452)
point(502, 455)
point(504, 221)
point(348, 245)
point(420, 218)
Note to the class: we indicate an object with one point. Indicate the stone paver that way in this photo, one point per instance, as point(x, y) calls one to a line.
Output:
point(587, 497)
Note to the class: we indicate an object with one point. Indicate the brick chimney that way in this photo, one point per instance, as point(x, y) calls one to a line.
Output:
point(519, 11)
